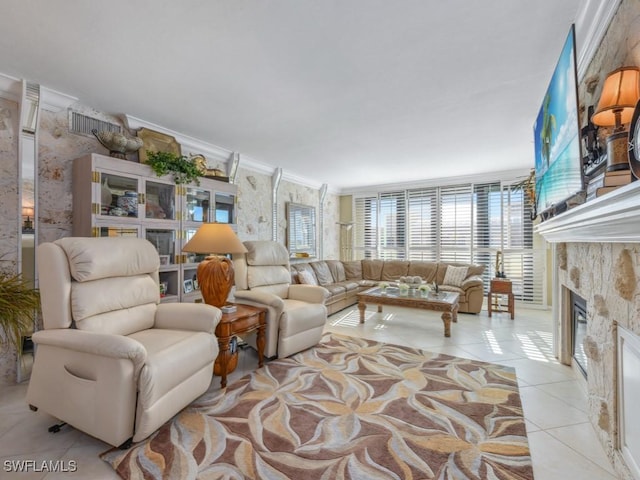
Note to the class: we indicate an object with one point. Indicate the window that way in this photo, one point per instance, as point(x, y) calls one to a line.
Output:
point(467, 223)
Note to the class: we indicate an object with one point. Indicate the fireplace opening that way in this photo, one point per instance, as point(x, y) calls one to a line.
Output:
point(579, 331)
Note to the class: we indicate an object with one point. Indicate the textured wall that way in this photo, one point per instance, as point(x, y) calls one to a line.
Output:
point(56, 150)
point(606, 275)
point(9, 213)
point(255, 209)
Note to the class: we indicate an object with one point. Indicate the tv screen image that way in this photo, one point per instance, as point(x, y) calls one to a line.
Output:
point(558, 162)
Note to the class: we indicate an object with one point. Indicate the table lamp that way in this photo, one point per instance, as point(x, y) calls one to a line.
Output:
point(618, 99)
point(215, 273)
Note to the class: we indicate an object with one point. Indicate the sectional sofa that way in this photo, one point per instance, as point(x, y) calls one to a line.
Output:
point(344, 280)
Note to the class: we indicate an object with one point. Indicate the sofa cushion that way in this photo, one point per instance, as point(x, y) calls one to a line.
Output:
point(455, 275)
point(475, 270)
point(372, 269)
point(335, 289)
point(337, 270)
point(353, 269)
point(392, 270)
point(307, 278)
point(426, 270)
point(305, 267)
point(348, 285)
point(323, 275)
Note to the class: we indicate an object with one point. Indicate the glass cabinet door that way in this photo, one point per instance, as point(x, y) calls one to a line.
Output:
point(192, 257)
point(160, 201)
point(118, 195)
point(165, 242)
point(225, 208)
point(116, 231)
point(197, 205)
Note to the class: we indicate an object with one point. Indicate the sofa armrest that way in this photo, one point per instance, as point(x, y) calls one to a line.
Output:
point(308, 293)
point(263, 298)
point(100, 344)
point(198, 317)
point(472, 281)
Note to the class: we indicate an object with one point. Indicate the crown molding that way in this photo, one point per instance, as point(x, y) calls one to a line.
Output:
point(55, 101)
point(210, 151)
point(504, 175)
point(188, 144)
point(10, 88)
point(51, 100)
point(612, 218)
point(592, 22)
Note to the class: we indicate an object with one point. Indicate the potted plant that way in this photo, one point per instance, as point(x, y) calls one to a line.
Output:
point(19, 303)
point(184, 169)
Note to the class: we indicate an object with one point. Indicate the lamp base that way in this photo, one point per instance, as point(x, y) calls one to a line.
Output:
point(617, 151)
point(215, 277)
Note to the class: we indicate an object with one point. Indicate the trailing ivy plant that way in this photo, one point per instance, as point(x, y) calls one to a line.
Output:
point(19, 304)
point(184, 170)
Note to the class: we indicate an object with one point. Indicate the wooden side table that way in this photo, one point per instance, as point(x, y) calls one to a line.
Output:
point(497, 288)
point(245, 319)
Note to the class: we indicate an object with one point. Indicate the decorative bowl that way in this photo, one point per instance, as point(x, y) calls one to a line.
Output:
point(117, 143)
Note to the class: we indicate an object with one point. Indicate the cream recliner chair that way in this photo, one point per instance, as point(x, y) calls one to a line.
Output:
point(111, 361)
point(296, 314)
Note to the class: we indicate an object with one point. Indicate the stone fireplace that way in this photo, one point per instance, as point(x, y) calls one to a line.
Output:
point(578, 318)
point(597, 257)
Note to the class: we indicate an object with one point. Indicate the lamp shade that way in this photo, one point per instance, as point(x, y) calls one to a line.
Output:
point(215, 238)
point(618, 99)
point(215, 274)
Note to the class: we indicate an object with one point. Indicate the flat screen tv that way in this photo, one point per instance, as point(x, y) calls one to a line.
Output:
point(557, 136)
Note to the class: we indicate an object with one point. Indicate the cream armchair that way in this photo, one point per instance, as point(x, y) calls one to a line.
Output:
point(111, 361)
point(296, 314)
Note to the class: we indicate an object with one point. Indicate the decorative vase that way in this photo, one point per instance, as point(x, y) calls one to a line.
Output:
point(105, 193)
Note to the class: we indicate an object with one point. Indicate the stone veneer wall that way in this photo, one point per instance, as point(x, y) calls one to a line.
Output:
point(9, 214)
point(606, 275)
point(255, 210)
point(56, 150)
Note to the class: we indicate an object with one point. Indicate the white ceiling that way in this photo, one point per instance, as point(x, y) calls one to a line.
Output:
point(344, 92)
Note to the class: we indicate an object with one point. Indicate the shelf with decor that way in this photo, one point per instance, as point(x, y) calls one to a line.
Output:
point(114, 197)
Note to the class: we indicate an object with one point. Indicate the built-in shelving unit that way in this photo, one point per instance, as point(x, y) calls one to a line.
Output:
point(113, 197)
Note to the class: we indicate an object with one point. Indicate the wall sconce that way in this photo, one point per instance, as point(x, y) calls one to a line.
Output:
point(618, 99)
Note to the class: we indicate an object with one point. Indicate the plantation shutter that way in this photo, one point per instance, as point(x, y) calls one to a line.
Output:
point(523, 264)
point(423, 224)
point(392, 225)
point(365, 235)
point(487, 227)
point(455, 223)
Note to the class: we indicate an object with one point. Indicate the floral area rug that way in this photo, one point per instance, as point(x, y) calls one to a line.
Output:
point(348, 408)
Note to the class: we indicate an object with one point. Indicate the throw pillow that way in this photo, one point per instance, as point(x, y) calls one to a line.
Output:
point(455, 275)
point(307, 278)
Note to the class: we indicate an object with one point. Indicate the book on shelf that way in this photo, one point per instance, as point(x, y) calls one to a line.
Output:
point(602, 190)
point(615, 179)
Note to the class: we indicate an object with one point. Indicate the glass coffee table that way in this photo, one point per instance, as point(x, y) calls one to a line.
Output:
point(445, 302)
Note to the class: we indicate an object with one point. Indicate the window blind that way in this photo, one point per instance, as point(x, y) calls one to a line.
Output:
point(423, 224)
point(466, 223)
point(392, 226)
point(365, 235)
point(455, 223)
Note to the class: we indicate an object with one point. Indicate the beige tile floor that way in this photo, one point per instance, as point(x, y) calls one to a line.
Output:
point(563, 443)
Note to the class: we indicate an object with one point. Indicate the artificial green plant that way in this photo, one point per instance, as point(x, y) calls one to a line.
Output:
point(184, 170)
point(19, 304)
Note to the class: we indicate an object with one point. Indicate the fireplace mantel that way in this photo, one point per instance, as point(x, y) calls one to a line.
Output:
point(612, 218)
